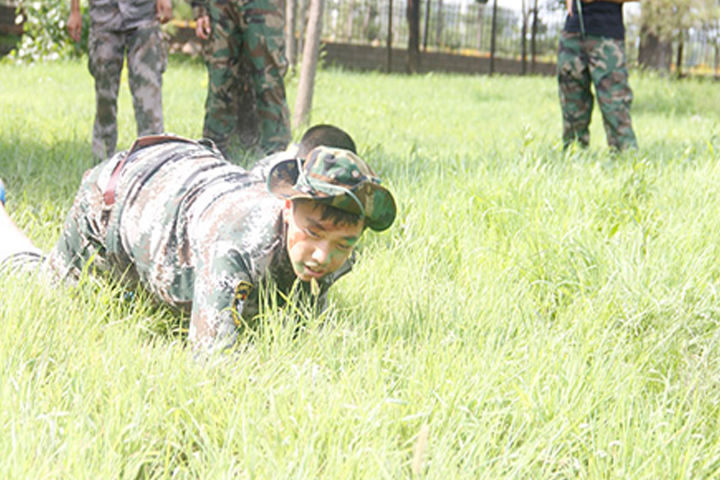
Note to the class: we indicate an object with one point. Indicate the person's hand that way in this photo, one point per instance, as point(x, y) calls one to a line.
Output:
point(74, 25)
point(568, 7)
point(163, 9)
point(202, 29)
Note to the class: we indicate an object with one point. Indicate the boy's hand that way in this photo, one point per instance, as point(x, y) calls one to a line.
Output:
point(163, 9)
point(202, 30)
point(74, 25)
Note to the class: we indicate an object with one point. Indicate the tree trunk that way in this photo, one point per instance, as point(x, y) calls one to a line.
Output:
point(492, 37)
point(306, 85)
point(480, 18)
point(413, 17)
point(302, 20)
point(679, 59)
point(290, 9)
point(371, 14)
point(654, 54)
point(350, 21)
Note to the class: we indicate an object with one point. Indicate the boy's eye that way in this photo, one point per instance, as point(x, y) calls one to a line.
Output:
point(344, 247)
point(311, 233)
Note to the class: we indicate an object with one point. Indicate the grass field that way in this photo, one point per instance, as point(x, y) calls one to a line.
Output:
point(531, 314)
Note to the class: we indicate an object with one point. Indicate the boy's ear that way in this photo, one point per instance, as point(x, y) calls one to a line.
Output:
point(287, 209)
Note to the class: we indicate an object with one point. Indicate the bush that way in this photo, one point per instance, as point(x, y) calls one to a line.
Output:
point(45, 36)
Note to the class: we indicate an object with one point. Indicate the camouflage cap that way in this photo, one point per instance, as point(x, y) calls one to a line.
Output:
point(341, 177)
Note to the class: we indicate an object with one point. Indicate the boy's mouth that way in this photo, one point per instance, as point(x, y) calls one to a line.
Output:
point(306, 272)
point(313, 272)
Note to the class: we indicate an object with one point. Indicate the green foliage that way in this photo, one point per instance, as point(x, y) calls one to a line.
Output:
point(542, 314)
point(45, 36)
point(182, 10)
point(669, 18)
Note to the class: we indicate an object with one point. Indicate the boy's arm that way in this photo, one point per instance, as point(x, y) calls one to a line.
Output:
point(221, 287)
point(611, 1)
point(202, 20)
point(74, 24)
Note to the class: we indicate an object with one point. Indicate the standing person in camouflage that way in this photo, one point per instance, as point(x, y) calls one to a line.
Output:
point(592, 51)
point(244, 35)
point(119, 29)
point(209, 237)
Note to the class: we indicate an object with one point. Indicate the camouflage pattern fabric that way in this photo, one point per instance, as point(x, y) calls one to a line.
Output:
point(121, 15)
point(146, 60)
point(599, 61)
point(199, 233)
point(246, 34)
point(120, 28)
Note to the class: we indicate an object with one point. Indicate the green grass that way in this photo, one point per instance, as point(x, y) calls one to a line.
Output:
point(545, 315)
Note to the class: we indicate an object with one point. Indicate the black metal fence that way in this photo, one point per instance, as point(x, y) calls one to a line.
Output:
point(465, 28)
point(701, 52)
point(445, 26)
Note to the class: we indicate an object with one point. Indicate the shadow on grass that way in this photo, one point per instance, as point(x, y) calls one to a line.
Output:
point(46, 170)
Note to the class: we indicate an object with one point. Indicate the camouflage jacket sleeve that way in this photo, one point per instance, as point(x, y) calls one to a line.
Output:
point(222, 284)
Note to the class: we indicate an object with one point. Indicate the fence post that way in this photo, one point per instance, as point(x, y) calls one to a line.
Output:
point(533, 38)
point(492, 38)
point(389, 37)
point(523, 47)
point(439, 25)
point(427, 21)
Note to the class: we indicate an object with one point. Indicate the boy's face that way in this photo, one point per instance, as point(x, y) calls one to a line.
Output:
point(317, 247)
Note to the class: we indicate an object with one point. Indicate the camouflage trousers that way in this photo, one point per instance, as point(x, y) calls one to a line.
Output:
point(146, 60)
point(247, 35)
point(83, 238)
point(599, 61)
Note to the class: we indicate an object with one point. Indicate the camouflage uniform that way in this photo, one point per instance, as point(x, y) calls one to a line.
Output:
point(204, 235)
point(246, 35)
point(119, 28)
point(199, 233)
point(586, 59)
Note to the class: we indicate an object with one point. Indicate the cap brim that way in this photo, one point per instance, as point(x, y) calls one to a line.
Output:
point(383, 201)
point(282, 178)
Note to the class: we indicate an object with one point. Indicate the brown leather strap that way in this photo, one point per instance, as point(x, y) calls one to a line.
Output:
point(142, 142)
point(109, 195)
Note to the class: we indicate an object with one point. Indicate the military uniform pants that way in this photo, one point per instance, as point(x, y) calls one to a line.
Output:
point(146, 60)
point(82, 242)
point(247, 31)
point(599, 61)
